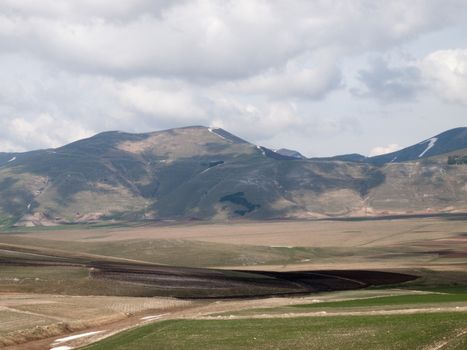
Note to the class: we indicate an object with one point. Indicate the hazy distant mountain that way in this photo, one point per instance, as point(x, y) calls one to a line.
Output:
point(448, 141)
point(204, 173)
point(353, 157)
point(290, 153)
point(5, 157)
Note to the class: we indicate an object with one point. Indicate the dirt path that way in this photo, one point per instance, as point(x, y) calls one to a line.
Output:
point(440, 345)
point(203, 310)
point(198, 310)
point(93, 334)
point(339, 313)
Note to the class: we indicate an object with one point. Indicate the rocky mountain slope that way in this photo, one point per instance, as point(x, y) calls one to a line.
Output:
point(448, 141)
point(203, 173)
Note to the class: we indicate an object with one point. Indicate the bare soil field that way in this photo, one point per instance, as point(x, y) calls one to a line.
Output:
point(289, 245)
point(128, 313)
point(321, 233)
point(33, 317)
point(60, 283)
point(196, 283)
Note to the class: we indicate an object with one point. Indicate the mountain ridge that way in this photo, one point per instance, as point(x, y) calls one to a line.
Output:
point(210, 174)
point(445, 142)
point(459, 133)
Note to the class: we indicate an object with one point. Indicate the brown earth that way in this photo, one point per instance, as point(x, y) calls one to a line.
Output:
point(195, 283)
point(437, 248)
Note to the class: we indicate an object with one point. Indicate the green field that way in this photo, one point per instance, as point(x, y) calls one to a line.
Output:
point(358, 332)
point(396, 300)
point(426, 313)
point(283, 330)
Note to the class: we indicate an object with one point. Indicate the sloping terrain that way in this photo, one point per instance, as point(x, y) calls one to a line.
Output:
point(448, 141)
point(203, 173)
point(290, 153)
point(59, 288)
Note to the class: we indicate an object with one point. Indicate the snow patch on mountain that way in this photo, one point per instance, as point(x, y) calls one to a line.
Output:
point(213, 131)
point(261, 149)
point(431, 143)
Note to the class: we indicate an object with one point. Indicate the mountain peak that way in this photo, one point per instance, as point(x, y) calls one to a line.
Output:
point(203, 172)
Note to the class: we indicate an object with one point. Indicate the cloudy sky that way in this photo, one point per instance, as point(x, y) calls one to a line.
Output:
point(324, 77)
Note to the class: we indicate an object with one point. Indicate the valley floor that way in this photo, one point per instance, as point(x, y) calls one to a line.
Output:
point(54, 295)
point(329, 318)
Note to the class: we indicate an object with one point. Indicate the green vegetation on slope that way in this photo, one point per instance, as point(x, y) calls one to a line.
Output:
point(358, 332)
point(195, 173)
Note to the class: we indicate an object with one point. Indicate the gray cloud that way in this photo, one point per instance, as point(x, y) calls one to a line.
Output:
point(272, 71)
point(84, 9)
point(207, 39)
point(308, 77)
point(389, 84)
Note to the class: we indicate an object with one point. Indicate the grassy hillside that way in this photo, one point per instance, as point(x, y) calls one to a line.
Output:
point(201, 173)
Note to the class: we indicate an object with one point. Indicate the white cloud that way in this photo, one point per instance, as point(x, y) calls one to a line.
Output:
point(445, 72)
point(376, 151)
point(71, 9)
point(171, 102)
point(200, 40)
point(255, 67)
point(208, 39)
point(255, 122)
point(43, 131)
point(294, 79)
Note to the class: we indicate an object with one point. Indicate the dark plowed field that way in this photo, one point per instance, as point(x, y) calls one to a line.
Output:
point(200, 282)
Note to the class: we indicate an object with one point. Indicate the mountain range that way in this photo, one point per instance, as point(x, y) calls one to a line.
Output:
point(210, 174)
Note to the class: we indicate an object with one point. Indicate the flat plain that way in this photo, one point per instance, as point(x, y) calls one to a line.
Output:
point(61, 282)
